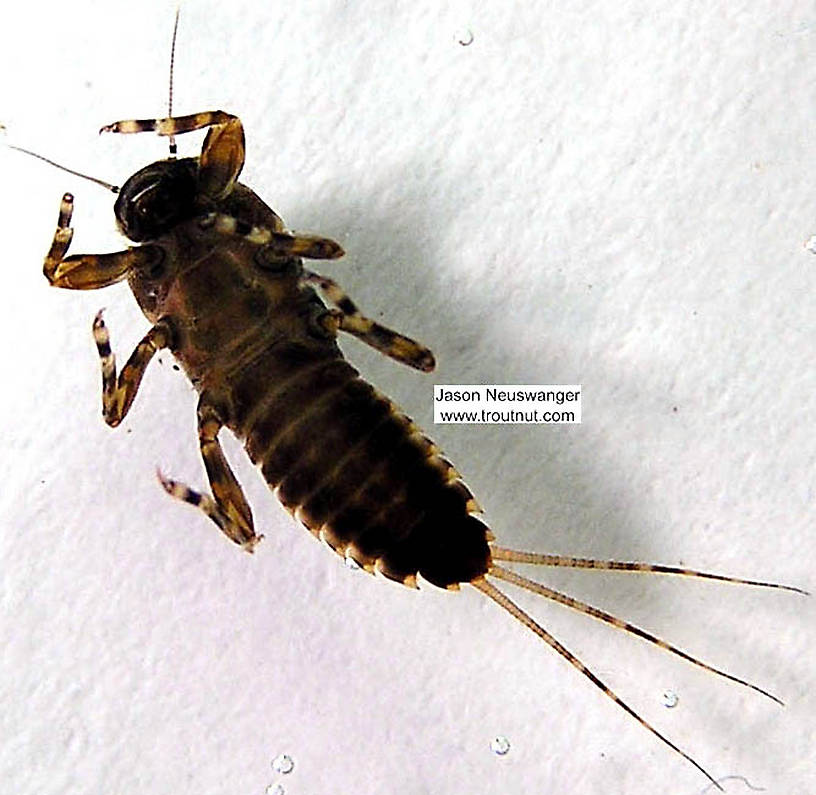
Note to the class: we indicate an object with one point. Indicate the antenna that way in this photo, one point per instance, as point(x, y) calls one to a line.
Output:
point(173, 147)
point(108, 185)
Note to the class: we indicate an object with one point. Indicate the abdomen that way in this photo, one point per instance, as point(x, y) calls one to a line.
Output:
point(354, 469)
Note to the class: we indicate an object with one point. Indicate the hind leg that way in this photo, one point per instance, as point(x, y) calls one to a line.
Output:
point(228, 507)
point(347, 317)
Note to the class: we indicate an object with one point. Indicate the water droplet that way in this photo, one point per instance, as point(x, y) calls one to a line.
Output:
point(274, 789)
point(464, 36)
point(500, 745)
point(810, 244)
point(283, 763)
point(670, 699)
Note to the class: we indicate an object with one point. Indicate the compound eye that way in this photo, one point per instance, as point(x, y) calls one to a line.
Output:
point(156, 206)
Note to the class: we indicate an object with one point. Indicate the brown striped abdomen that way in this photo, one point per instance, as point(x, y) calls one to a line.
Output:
point(354, 469)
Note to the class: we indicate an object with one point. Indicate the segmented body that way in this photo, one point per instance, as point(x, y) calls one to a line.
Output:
point(341, 457)
point(225, 288)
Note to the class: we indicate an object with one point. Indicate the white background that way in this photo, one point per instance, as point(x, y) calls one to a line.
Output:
point(608, 195)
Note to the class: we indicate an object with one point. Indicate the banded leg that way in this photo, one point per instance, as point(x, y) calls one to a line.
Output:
point(229, 508)
point(348, 318)
point(223, 152)
point(118, 392)
point(173, 125)
point(89, 271)
point(278, 245)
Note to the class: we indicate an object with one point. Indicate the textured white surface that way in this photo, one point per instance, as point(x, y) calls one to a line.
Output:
point(606, 196)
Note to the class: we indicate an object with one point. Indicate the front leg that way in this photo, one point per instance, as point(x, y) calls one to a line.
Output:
point(223, 153)
point(229, 508)
point(89, 271)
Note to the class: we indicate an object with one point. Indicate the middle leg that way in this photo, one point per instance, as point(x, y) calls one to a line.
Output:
point(119, 391)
